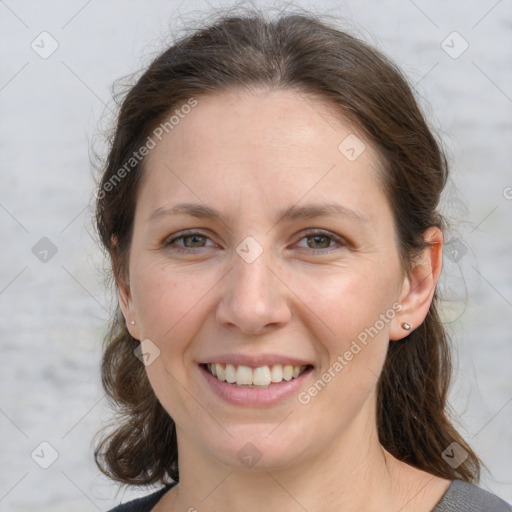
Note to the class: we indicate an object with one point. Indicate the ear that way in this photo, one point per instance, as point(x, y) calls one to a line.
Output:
point(124, 295)
point(419, 285)
point(126, 305)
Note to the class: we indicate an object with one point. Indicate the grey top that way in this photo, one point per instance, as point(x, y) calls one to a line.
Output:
point(464, 497)
point(460, 497)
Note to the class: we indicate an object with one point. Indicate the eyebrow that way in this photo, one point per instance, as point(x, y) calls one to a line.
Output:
point(308, 211)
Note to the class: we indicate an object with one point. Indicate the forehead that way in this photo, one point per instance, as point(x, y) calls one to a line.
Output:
point(237, 120)
point(267, 147)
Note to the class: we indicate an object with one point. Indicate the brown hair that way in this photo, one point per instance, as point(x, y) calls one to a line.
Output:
point(304, 53)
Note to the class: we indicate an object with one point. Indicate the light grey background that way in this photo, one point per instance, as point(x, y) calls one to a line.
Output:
point(53, 314)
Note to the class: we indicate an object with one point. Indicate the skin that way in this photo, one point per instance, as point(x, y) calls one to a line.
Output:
point(250, 154)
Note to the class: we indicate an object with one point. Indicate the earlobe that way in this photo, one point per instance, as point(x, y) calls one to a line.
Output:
point(419, 286)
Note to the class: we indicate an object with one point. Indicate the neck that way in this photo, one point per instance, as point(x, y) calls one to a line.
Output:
point(354, 474)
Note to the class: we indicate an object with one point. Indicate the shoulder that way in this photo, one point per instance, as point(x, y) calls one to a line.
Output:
point(464, 497)
point(144, 504)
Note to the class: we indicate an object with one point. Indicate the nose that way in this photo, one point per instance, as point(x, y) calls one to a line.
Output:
point(254, 297)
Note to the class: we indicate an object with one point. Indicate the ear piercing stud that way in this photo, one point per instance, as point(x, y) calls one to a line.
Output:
point(406, 326)
point(133, 322)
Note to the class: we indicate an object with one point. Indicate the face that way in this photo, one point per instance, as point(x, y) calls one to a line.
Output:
point(316, 289)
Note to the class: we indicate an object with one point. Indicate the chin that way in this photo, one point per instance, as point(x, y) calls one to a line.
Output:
point(252, 448)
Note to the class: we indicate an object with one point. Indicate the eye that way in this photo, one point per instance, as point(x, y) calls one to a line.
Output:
point(191, 240)
point(320, 241)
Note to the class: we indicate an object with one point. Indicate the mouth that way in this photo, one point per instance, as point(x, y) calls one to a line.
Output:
point(260, 377)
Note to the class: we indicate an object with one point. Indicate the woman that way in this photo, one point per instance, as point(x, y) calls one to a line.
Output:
point(269, 207)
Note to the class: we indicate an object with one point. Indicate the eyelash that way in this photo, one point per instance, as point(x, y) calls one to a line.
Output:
point(309, 234)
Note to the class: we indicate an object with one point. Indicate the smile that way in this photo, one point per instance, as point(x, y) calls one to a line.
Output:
point(260, 377)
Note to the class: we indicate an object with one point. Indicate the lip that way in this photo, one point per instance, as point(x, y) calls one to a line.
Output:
point(252, 396)
point(256, 360)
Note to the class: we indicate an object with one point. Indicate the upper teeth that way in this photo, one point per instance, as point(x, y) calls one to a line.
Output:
point(261, 376)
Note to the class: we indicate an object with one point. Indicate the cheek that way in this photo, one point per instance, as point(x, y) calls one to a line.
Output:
point(356, 312)
point(351, 308)
point(349, 300)
point(168, 301)
point(170, 311)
